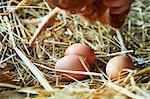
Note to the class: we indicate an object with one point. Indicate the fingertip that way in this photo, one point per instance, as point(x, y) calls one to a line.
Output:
point(117, 3)
point(119, 10)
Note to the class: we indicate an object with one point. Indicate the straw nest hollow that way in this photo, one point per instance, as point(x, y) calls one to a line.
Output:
point(27, 63)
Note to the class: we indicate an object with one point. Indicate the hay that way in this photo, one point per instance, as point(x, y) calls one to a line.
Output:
point(27, 69)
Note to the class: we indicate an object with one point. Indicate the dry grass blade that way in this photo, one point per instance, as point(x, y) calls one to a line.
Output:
point(47, 20)
point(36, 72)
point(124, 91)
point(28, 69)
point(23, 2)
point(143, 71)
point(9, 85)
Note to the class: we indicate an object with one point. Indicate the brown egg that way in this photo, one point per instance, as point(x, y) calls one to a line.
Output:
point(81, 50)
point(71, 62)
point(117, 64)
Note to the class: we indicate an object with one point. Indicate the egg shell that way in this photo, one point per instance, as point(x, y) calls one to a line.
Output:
point(71, 62)
point(81, 50)
point(117, 64)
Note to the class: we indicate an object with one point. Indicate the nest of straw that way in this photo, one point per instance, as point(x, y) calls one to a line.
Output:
point(27, 71)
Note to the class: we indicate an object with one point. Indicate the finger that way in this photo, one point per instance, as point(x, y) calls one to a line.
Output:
point(104, 15)
point(117, 3)
point(119, 10)
point(116, 20)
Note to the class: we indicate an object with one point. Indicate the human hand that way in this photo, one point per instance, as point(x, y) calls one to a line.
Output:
point(111, 12)
point(118, 11)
